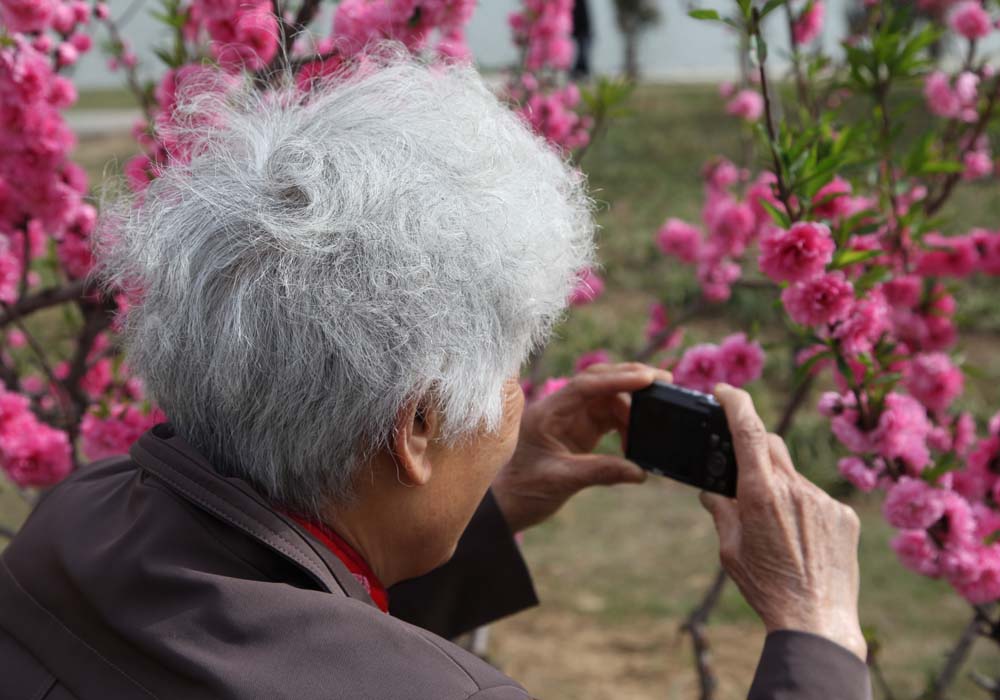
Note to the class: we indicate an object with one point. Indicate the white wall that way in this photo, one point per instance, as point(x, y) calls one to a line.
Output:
point(679, 48)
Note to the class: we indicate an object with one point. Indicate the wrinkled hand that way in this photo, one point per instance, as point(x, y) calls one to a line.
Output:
point(791, 549)
point(553, 458)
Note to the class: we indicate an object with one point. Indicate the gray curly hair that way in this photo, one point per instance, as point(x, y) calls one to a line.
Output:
point(394, 234)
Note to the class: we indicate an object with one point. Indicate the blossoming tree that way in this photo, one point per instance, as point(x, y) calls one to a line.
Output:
point(841, 223)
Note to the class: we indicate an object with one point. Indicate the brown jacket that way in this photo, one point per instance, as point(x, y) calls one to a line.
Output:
point(156, 577)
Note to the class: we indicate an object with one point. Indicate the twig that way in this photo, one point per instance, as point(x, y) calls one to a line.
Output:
point(51, 296)
point(772, 135)
point(694, 625)
point(800, 81)
point(35, 346)
point(146, 101)
point(7, 532)
point(657, 341)
point(879, 676)
point(956, 657)
point(933, 204)
point(96, 318)
point(795, 402)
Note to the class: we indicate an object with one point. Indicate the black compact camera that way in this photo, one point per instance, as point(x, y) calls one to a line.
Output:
point(682, 434)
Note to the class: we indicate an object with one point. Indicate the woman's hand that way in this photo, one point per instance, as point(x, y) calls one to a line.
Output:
point(553, 458)
point(791, 549)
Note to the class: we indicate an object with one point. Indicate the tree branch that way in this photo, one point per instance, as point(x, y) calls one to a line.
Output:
point(933, 204)
point(51, 296)
point(7, 532)
point(956, 657)
point(694, 625)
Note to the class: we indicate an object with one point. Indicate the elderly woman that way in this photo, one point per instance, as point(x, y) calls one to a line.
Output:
point(334, 299)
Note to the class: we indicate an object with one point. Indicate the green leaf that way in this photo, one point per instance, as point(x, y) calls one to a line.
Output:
point(704, 15)
point(779, 216)
point(770, 6)
point(843, 258)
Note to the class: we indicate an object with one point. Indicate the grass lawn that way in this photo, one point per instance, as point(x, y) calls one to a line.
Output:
point(618, 568)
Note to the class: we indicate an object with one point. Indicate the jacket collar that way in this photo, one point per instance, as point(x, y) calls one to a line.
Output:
point(161, 452)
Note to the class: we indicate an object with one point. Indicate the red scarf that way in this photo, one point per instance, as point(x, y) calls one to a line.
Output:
point(351, 559)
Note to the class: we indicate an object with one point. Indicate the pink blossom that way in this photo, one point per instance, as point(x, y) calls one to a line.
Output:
point(66, 54)
point(988, 246)
point(742, 360)
point(760, 191)
point(903, 291)
point(658, 323)
point(700, 368)
point(819, 301)
point(680, 239)
point(731, 225)
point(721, 173)
point(716, 278)
point(806, 354)
point(857, 473)
point(747, 104)
point(987, 520)
point(902, 431)
point(948, 256)
point(115, 433)
point(801, 252)
point(550, 387)
point(934, 381)
point(984, 587)
point(832, 201)
point(10, 272)
point(808, 25)
point(247, 39)
point(942, 99)
point(964, 433)
point(33, 453)
point(594, 357)
point(589, 287)
point(977, 165)
point(101, 11)
point(24, 16)
point(912, 504)
point(917, 552)
point(970, 20)
point(866, 324)
point(982, 467)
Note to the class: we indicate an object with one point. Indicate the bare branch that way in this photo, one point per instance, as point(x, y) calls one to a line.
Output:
point(51, 296)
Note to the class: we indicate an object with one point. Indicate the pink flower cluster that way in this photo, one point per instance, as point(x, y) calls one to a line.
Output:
point(32, 453)
point(542, 30)
point(732, 223)
point(552, 113)
point(413, 22)
point(956, 99)
point(747, 104)
point(736, 361)
point(242, 35)
point(112, 431)
point(969, 19)
point(41, 189)
point(809, 23)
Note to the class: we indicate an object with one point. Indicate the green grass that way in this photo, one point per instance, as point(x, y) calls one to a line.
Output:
point(105, 98)
point(618, 568)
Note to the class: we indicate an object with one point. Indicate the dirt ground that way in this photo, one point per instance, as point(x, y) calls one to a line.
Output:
point(559, 654)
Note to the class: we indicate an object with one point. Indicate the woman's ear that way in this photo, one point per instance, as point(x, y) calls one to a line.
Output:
point(416, 427)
